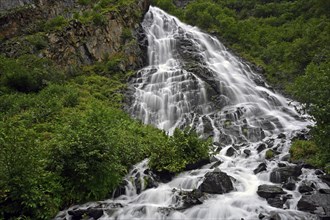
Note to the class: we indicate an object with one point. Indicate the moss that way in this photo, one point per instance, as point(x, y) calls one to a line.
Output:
point(269, 154)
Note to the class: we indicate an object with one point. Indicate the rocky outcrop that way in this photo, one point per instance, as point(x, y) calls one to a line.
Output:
point(216, 182)
point(317, 203)
point(269, 191)
point(273, 195)
point(77, 43)
point(282, 174)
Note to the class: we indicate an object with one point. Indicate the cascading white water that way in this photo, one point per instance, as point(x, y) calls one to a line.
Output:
point(192, 80)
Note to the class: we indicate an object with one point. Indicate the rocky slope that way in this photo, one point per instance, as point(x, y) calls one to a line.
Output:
point(70, 33)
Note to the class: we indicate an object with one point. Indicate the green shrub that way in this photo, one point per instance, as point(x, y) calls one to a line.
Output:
point(27, 189)
point(183, 148)
point(28, 73)
point(56, 23)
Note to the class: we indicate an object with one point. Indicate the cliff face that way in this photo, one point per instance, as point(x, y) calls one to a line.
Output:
point(70, 33)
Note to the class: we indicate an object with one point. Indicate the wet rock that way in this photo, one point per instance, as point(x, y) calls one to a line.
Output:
point(216, 182)
point(310, 203)
point(269, 191)
point(261, 167)
point(319, 172)
point(216, 164)
point(247, 152)
point(277, 202)
point(274, 216)
point(281, 165)
point(230, 152)
point(191, 198)
point(261, 147)
point(261, 216)
point(324, 191)
point(304, 204)
point(93, 212)
point(304, 189)
point(120, 190)
point(198, 164)
point(282, 174)
point(290, 184)
point(286, 157)
point(281, 136)
point(325, 179)
point(163, 176)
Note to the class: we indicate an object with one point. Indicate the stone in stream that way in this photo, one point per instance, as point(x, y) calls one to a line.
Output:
point(290, 184)
point(316, 203)
point(92, 212)
point(269, 191)
point(261, 167)
point(230, 152)
point(282, 174)
point(325, 179)
point(305, 189)
point(247, 152)
point(261, 147)
point(216, 182)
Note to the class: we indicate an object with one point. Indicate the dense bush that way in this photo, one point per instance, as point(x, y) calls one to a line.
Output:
point(182, 149)
point(28, 73)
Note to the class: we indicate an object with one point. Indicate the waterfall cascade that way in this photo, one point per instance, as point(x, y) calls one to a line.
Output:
point(193, 80)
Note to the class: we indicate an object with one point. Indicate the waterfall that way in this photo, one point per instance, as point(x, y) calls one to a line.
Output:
point(193, 80)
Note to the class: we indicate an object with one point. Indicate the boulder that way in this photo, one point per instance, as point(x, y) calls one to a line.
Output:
point(230, 152)
point(269, 191)
point(325, 179)
point(261, 167)
point(324, 191)
point(311, 203)
point(247, 152)
point(92, 212)
point(198, 164)
point(305, 189)
point(290, 184)
point(282, 174)
point(216, 182)
point(190, 198)
point(277, 202)
point(261, 147)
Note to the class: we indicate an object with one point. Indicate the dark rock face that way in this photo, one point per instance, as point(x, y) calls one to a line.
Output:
point(261, 147)
point(290, 184)
point(261, 167)
point(198, 164)
point(75, 44)
point(78, 214)
point(269, 191)
point(191, 198)
point(230, 152)
point(216, 182)
point(276, 202)
point(282, 174)
point(325, 179)
point(181, 3)
point(305, 189)
point(317, 203)
point(247, 152)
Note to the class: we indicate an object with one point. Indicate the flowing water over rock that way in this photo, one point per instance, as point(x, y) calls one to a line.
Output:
point(192, 80)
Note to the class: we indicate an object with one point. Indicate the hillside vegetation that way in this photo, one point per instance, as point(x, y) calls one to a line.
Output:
point(288, 40)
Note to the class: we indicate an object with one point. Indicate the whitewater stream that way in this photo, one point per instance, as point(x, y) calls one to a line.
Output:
point(193, 80)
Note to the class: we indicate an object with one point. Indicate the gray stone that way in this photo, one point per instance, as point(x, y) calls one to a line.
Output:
point(216, 182)
point(269, 191)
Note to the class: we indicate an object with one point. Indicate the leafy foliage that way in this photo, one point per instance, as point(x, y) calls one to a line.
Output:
point(183, 148)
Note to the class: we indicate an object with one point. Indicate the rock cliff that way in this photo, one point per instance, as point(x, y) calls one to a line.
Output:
point(74, 33)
